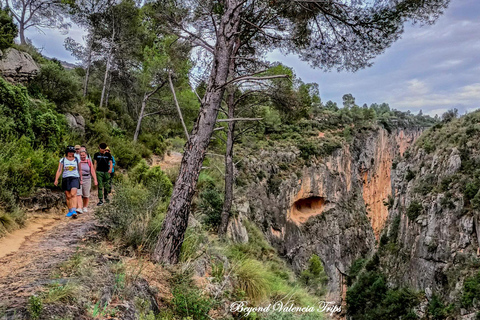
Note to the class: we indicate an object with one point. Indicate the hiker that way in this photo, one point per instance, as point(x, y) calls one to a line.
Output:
point(103, 166)
point(113, 169)
point(69, 168)
point(88, 172)
point(77, 152)
point(84, 148)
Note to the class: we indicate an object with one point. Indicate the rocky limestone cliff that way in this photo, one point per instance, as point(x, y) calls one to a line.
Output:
point(432, 243)
point(332, 207)
point(17, 66)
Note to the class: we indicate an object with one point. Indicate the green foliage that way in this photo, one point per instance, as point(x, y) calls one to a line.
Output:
point(56, 84)
point(137, 208)
point(188, 301)
point(471, 189)
point(254, 279)
point(471, 290)
point(35, 307)
point(414, 210)
point(210, 206)
point(314, 276)
point(437, 310)
point(8, 29)
point(354, 270)
point(155, 143)
point(15, 111)
point(410, 175)
point(370, 298)
point(23, 169)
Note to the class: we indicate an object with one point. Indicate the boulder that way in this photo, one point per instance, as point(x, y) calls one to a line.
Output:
point(76, 122)
point(17, 66)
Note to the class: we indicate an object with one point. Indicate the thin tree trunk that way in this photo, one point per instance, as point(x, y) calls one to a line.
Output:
point(21, 32)
point(142, 110)
point(107, 69)
point(229, 178)
point(140, 118)
point(109, 85)
point(177, 105)
point(105, 79)
point(172, 234)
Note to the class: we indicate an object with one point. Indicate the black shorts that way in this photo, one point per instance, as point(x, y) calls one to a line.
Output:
point(69, 183)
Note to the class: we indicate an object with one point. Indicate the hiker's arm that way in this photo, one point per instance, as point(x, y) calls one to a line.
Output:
point(111, 166)
point(79, 172)
point(94, 174)
point(95, 164)
point(57, 175)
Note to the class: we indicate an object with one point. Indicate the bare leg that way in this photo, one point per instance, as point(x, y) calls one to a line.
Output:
point(68, 194)
point(79, 202)
point(85, 202)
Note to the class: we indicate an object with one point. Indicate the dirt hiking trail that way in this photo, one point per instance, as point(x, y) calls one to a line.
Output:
point(28, 256)
point(23, 272)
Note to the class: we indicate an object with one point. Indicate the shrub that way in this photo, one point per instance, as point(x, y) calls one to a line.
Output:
point(314, 276)
point(210, 206)
point(370, 298)
point(253, 279)
point(471, 290)
point(354, 270)
point(188, 301)
point(56, 84)
point(154, 143)
point(471, 189)
point(410, 175)
point(15, 112)
point(137, 209)
point(437, 310)
point(8, 29)
point(414, 210)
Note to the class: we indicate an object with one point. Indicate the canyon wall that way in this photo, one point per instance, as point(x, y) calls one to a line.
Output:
point(332, 207)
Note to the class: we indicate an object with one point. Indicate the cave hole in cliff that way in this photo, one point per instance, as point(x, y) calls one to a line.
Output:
point(305, 208)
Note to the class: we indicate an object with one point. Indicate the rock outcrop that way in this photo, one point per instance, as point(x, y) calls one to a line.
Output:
point(17, 66)
point(332, 207)
point(76, 122)
point(435, 247)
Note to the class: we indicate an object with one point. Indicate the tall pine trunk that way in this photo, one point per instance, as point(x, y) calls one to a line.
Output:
point(229, 178)
point(87, 72)
point(140, 117)
point(107, 69)
point(172, 234)
point(105, 79)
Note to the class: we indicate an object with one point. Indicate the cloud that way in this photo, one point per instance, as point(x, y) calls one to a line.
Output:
point(50, 41)
point(432, 68)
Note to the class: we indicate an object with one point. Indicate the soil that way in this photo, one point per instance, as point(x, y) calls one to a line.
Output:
point(30, 255)
point(46, 243)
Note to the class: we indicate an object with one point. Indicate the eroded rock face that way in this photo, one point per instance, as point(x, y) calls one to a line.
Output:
point(17, 66)
point(332, 207)
point(434, 249)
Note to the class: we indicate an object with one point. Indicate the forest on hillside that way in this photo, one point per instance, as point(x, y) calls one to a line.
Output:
point(157, 77)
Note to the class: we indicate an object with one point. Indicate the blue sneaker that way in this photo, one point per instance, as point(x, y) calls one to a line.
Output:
point(70, 214)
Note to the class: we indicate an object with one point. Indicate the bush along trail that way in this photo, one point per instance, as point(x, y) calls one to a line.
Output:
point(45, 265)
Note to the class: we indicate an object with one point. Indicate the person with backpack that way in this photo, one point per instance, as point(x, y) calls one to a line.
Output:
point(103, 166)
point(113, 169)
point(88, 172)
point(69, 168)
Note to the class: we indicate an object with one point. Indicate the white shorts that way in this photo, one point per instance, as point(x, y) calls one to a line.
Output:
point(84, 190)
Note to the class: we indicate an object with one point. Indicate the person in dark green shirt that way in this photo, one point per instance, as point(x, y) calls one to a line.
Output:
point(103, 167)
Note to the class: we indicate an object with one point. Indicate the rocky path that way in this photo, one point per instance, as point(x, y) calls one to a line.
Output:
point(29, 256)
point(24, 271)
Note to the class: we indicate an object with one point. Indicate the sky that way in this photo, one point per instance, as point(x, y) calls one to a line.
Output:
point(432, 68)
